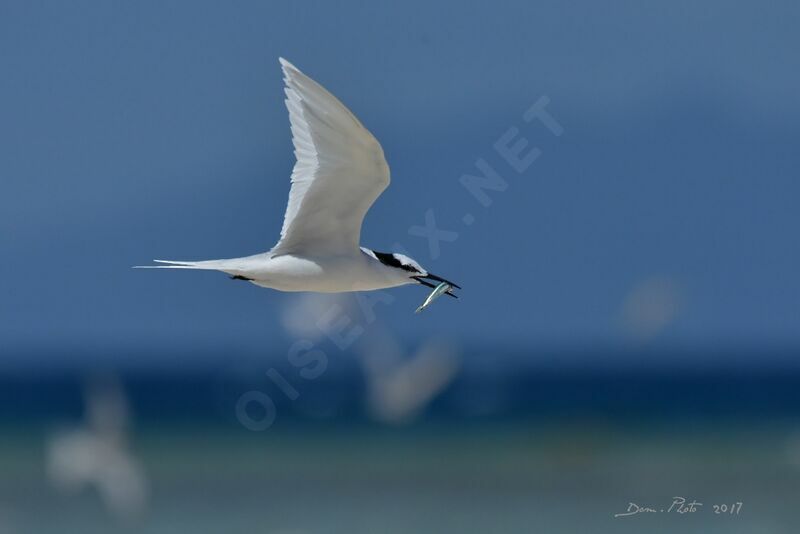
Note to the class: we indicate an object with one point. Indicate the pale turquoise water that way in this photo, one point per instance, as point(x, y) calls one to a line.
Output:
point(521, 477)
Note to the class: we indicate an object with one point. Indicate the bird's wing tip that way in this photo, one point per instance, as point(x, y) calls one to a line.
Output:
point(287, 65)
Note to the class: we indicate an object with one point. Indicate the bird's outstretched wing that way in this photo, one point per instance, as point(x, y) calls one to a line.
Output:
point(339, 173)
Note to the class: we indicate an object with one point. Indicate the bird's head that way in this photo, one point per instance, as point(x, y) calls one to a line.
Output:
point(411, 268)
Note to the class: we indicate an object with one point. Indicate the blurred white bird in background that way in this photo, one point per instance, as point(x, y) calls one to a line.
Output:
point(651, 306)
point(97, 455)
point(340, 171)
point(399, 386)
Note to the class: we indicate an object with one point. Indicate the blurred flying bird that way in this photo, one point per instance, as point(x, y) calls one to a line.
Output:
point(651, 306)
point(400, 384)
point(97, 454)
point(340, 171)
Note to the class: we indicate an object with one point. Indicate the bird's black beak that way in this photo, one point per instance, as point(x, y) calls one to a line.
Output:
point(424, 281)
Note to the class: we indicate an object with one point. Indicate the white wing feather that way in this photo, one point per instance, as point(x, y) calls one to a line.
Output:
point(339, 173)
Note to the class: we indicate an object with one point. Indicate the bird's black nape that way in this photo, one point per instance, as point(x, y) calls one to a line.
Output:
point(392, 260)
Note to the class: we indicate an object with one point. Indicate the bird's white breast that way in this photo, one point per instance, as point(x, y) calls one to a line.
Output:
point(327, 275)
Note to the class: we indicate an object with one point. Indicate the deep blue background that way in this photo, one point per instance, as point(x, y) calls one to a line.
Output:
point(629, 327)
point(132, 131)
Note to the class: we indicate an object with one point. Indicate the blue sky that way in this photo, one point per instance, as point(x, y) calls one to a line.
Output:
point(133, 131)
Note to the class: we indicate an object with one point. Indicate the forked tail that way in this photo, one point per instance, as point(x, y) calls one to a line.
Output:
point(210, 265)
point(237, 268)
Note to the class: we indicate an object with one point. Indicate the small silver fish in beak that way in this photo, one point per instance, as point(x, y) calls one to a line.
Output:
point(438, 291)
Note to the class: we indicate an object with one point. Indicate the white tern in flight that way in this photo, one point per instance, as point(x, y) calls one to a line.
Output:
point(340, 171)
